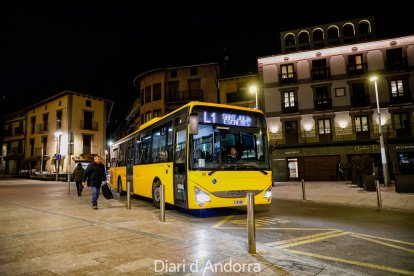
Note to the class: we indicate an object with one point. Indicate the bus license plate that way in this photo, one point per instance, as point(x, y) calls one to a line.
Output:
point(238, 202)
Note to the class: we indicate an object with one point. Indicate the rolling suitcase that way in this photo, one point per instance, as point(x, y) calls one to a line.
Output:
point(106, 191)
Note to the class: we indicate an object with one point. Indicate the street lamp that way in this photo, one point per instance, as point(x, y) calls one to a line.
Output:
point(57, 138)
point(383, 155)
point(110, 143)
point(253, 89)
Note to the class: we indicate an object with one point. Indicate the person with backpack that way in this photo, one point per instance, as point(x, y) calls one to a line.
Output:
point(77, 177)
point(94, 175)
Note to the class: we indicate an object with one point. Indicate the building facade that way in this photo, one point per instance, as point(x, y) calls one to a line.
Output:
point(163, 90)
point(321, 105)
point(66, 128)
point(13, 134)
point(236, 90)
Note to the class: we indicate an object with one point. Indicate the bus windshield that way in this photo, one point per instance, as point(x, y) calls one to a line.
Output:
point(228, 148)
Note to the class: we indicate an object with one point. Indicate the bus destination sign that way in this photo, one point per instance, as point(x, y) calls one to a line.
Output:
point(227, 118)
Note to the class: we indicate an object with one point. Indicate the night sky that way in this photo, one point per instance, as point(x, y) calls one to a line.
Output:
point(97, 48)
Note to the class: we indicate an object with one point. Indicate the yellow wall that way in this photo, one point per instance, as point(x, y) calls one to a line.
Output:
point(76, 116)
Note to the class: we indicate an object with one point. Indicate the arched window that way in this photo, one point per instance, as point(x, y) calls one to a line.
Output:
point(333, 32)
point(364, 27)
point(290, 39)
point(303, 37)
point(348, 29)
point(318, 34)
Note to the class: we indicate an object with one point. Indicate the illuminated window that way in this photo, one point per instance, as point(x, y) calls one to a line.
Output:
point(361, 123)
point(289, 99)
point(397, 88)
point(324, 126)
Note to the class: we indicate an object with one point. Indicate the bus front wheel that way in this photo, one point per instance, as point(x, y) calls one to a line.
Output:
point(156, 193)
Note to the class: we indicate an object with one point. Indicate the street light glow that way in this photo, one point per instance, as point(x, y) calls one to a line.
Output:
point(253, 89)
point(57, 134)
point(373, 78)
point(110, 143)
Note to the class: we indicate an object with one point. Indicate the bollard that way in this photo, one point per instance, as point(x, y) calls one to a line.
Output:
point(128, 195)
point(251, 227)
point(162, 203)
point(303, 190)
point(378, 193)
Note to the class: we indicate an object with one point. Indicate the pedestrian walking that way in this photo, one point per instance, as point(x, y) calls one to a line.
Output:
point(94, 175)
point(78, 176)
point(339, 171)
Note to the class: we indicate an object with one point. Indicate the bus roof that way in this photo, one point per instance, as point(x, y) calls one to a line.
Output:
point(191, 105)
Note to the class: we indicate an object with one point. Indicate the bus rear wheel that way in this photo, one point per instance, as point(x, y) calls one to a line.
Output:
point(119, 188)
point(156, 193)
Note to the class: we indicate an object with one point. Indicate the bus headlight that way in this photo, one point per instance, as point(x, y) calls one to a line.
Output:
point(201, 197)
point(268, 193)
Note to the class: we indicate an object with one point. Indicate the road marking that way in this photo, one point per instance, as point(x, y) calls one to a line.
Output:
point(303, 238)
point(313, 240)
point(385, 239)
point(368, 265)
point(261, 221)
point(277, 228)
point(221, 222)
point(383, 243)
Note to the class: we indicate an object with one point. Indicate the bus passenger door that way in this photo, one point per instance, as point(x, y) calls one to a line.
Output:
point(130, 164)
point(180, 167)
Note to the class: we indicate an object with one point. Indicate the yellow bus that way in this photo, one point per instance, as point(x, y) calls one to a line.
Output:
point(188, 151)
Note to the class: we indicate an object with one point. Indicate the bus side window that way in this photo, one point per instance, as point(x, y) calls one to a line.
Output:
point(169, 143)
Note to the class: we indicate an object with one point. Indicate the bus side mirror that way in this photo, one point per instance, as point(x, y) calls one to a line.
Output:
point(194, 123)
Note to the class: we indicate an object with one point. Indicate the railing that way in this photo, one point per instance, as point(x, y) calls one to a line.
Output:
point(336, 135)
point(356, 69)
point(89, 125)
point(360, 101)
point(323, 104)
point(287, 77)
point(18, 130)
point(321, 73)
point(290, 109)
point(402, 99)
point(185, 95)
point(44, 127)
point(396, 64)
point(238, 97)
point(8, 132)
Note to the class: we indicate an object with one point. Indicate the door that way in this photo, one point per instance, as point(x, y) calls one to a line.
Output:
point(130, 162)
point(180, 167)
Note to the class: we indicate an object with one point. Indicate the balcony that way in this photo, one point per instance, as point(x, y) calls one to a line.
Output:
point(321, 73)
point(360, 101)
point(356, 69)
point(396, 64)
point(41, 128)
point(89, 125)
point(7, 132)
point(238, 97)
point(291, 109)
point(287, 77)
point(323, 105)
point(185, 95)
point(38, 152)
point(401, 99)
point(18, 130)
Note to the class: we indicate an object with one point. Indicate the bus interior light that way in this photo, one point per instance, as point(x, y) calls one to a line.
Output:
point(201, 197)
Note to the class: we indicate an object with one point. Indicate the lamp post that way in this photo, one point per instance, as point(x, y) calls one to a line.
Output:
point(57, 138)
point(253, 89)
point(381, 136)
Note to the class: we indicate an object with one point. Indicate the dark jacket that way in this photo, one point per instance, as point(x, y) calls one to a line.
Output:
point(95, 174)
point(78, 174)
